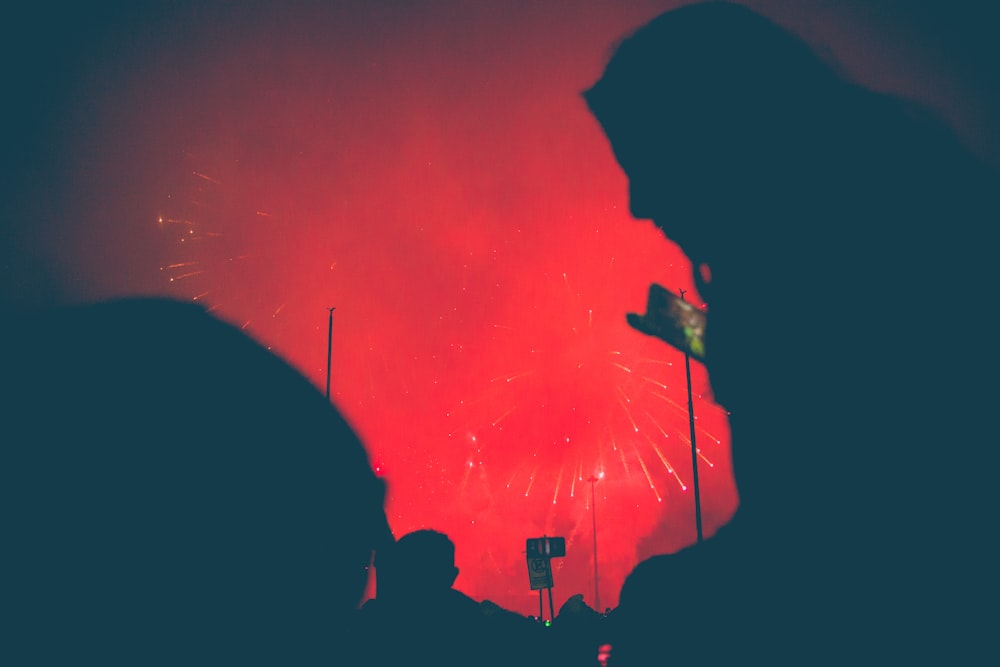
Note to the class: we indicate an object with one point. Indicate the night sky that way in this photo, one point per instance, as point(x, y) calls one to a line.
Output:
point(429, 170)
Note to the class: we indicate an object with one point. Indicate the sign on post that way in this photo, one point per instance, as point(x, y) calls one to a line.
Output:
point(546, 547)
point(540, 551)
point(539, 573)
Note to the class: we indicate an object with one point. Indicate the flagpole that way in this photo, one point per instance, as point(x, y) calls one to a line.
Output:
point(694, 447)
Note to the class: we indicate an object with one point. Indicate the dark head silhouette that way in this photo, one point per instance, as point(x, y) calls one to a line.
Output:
point(174, 494)
point(783, 183)
point(832, 228)
point(704, 98)
point(420, 563)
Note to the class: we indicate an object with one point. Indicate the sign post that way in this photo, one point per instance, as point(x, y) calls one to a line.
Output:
point(540, 551)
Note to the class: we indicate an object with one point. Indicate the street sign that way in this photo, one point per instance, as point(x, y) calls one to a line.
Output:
point(539, 573)
point(546, 547)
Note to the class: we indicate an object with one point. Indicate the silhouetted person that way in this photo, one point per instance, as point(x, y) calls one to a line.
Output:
point(420, 568)
point(838, 241)
point(578, 630)
point(418, 617)
point(172, 493)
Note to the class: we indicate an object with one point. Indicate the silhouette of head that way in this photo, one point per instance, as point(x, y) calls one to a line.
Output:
point(860, 209)
point(703, 107)
point(422, 561)
point(173, 491)
point(771, 171)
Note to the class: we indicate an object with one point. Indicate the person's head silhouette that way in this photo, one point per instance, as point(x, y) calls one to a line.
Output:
point(777, 175)
point(420, 563)
point(707, 98)
point(828, 225)
point(193, 498)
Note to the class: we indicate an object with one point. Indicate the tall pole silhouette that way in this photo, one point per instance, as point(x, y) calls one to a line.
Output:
point(593, 514)
point(694, 447)
point(329, 349)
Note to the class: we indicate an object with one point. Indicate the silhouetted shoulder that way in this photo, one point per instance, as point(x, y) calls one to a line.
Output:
point(174, 489)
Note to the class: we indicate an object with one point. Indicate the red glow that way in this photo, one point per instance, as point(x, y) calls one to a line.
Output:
point(489, 385)
point(481, 260)
point(432, 172)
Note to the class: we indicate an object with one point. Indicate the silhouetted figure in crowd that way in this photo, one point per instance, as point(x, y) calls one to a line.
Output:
point(839, 239)
point(172, 493)
point(418, 617)
point(577, 632)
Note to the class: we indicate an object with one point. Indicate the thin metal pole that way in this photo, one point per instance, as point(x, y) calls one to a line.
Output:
point(329, 348)
point(593, 514)
point(694, 447)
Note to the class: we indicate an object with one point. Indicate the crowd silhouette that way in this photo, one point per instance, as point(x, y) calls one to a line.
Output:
point(173, 493)
point(432, 621)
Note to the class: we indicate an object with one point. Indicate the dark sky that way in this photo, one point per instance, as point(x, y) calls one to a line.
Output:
point(430, 170)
